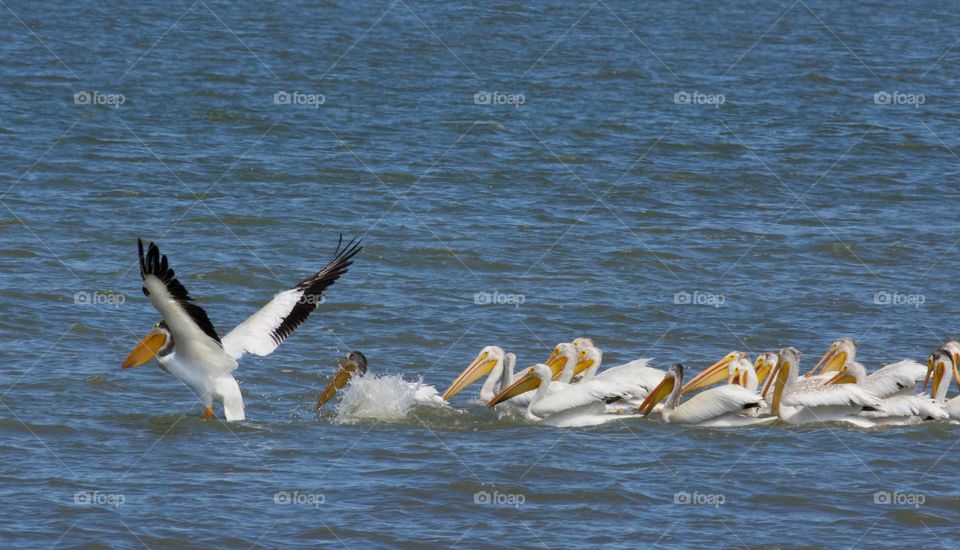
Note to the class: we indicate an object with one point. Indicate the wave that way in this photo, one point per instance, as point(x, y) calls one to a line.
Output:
point(387, 398)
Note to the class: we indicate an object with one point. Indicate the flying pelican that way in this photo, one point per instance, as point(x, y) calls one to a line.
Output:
point(492, 362)
point(722, 406)
point(582, 404)
point(355, 364)
point(942, 364)
point(796, 403)
point(187, 346)
point(895, 389)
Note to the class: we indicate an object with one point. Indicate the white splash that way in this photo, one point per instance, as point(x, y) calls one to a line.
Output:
point(385, 398)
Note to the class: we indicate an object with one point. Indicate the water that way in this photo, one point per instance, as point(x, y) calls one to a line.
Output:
point(795, 206)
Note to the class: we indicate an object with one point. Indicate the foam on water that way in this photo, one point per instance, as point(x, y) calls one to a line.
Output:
point(386, 398)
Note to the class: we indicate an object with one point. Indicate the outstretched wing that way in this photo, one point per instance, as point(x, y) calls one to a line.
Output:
point(188, 322)
point(266, 329)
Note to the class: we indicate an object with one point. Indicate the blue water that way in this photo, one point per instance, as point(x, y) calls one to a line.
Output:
point(786, 192)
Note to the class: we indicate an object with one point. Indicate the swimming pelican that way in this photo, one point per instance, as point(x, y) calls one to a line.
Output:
point(895, 388)
point(355, 364)
point(844, 351)
point(942, 364)
point(492, 362)
point(562, 364)
point(717, 407)
point(582, 404)
point(797, 403)
point(187, 346)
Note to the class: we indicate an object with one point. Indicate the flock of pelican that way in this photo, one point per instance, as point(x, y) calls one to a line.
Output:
point(569, 389)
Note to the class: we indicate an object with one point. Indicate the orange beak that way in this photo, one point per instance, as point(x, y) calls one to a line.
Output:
point(146, 350)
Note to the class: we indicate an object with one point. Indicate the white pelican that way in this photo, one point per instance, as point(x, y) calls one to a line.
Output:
point(582, 404)
point(895, 388)
point(722, 406)
point(797, 403)
point(354, 364)
point(187, 346)
point(635, 375)
point(562, 364)
point(492, 362)
point(844, 351)
point(734, 368)
point(942, 364)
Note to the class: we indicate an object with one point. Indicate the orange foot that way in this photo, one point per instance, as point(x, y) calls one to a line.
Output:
point(208, 414)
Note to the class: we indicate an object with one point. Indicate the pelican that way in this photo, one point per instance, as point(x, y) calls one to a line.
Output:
point(844, 351)
point(736, 368)
point(570, 405)
point(354, 364)
point(797, 403)
point(942, 364)
point(717, 407)
point(895, 389)
point(492, 362)
point(563, 365)
point(187, 346)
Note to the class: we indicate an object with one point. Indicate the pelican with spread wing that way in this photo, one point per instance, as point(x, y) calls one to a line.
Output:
point(187, 346)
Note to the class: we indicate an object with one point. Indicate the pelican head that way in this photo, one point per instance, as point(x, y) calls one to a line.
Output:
point(352, 364)
point(722, 370)
point(582, 343)
point(841, 351)
point(764, 364)
point(158, 343)
point(939, 364)
point(587, 358)
point(788, 366)
point(669, 386)
point(477, 369)
point(564, 353)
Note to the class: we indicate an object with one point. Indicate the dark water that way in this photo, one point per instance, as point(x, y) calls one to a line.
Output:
point(785, 191)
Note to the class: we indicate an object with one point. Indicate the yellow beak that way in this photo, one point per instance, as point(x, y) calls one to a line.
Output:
point(556, 362)
point(937, 374)
point(525, 383)
point(658, 394)
point(339, 380)
point(146, 350)
point(783, 373)
point(480, 367)
point(842, 378)
point(714, 374)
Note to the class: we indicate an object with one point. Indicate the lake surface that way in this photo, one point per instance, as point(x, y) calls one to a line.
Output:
point(674, 180)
